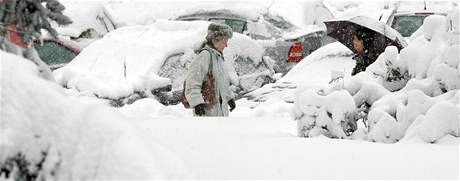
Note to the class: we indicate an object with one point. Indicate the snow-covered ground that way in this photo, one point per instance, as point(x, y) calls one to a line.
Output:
point(267, 148)
point(148, 140)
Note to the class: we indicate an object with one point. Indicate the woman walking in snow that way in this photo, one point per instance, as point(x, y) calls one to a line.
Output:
point(207, 84)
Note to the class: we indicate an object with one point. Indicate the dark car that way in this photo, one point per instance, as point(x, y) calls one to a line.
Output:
point(283, 41)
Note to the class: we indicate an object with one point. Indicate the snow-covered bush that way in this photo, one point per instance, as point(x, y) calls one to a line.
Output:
point(389, 124)
point(389, 71)
point(319, 114)
point(440, 120)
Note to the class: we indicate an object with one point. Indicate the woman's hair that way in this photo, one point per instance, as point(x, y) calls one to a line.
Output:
point(366, 36)
point(217, 32)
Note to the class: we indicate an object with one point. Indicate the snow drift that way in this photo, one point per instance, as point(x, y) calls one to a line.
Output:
point(63, 139)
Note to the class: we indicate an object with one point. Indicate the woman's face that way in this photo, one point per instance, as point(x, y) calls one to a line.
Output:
point(358, 44)
point(221, 44)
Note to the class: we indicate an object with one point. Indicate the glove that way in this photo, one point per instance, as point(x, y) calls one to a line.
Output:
point(232, 104)
point(199, 109)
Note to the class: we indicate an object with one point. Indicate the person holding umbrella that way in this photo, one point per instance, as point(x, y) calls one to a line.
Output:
point(364, 56)
point(366, 37)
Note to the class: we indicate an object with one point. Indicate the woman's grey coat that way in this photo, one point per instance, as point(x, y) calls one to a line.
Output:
point(197, 74)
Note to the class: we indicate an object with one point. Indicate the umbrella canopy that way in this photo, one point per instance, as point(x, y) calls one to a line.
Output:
point(382, 35)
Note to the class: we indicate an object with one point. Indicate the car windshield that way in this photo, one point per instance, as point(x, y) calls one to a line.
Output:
point(279, 22)
point(407, 24)
point(53, 53)
point(237, 25)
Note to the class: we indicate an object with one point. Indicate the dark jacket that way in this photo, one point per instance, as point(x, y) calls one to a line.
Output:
point(363, 60)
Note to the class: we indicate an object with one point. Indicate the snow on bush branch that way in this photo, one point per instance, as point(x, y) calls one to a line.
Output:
point(30, 16)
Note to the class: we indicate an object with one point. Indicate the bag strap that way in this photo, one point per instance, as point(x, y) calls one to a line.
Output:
point(210, 61)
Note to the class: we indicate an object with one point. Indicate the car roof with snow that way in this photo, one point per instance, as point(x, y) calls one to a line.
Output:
point(420, 12)
point(224, 13)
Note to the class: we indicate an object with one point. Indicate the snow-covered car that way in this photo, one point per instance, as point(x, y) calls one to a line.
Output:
point(151, 61)
point(317, 69)
point(283, 41)
point(408, 22)
point(407, 17)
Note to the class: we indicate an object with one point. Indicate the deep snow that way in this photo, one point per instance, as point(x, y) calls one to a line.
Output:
point(82, 141)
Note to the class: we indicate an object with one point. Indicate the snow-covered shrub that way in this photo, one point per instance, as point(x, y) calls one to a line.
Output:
point(445, 70)
point(386, 130)
point(390, 70)
point(424, 49)
point(441, 119)
point(318, 114)
point(390, 125)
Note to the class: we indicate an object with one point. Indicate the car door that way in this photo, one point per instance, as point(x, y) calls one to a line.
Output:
point(238, 26)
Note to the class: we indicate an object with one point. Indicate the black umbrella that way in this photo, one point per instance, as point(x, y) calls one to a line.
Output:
point(382, 35)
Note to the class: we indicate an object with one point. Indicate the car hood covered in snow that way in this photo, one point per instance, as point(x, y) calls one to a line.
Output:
point(316, 69)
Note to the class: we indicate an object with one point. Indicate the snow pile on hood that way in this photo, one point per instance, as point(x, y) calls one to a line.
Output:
point(243, 45)
point(303, 31)
point(348, 9)
point(129, 13)
point(70, 139)
point(429, 66)
point(313, 71)
point(303, 68)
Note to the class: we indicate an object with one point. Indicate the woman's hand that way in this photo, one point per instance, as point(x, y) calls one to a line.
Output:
point(199, 109)
point(232, 104)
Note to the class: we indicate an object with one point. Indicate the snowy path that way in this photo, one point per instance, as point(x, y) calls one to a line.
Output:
point(261, 148)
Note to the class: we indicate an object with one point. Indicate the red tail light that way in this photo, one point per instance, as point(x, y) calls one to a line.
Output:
point(295, 52)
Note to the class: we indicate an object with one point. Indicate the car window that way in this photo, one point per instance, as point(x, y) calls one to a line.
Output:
point(54, 53)
point(279, 22)
point(406, 25)
point(175, 69)
point(190, 19)
point(237, 25)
